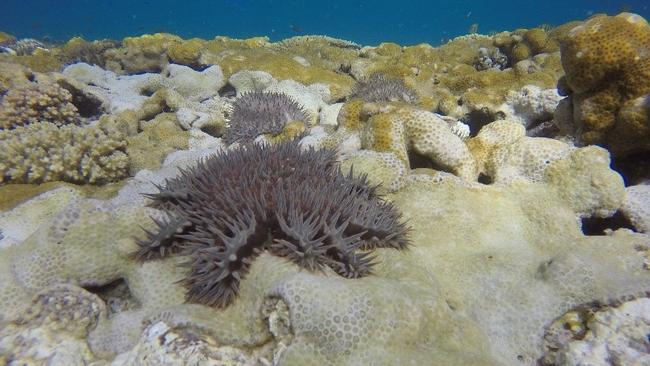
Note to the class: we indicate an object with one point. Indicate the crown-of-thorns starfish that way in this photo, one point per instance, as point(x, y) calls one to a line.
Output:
point(293, 203)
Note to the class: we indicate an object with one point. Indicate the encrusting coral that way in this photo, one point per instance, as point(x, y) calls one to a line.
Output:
point(222, 214)
point(257, 113)
point(44, 152)
point(35, 103)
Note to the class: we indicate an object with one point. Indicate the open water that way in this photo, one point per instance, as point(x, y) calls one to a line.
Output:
point(365, 22)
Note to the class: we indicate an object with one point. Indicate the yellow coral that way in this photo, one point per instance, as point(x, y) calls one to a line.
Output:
point(540, 42)
point(37, 103)
point(350, 115)
point(491, 137)
point(43, 152)
point(147, 53)
point(601, 47)
point(607, 65)
point(405, 129)
point(6, 38)
point(290, 131)
point(159, 137)
point(186, 52)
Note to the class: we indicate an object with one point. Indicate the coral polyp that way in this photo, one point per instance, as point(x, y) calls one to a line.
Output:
point(293, 203)
point(258, 113)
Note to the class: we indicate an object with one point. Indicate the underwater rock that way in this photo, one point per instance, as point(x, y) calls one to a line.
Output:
point(614, 335)
point(637, 206)
point(54, 330)
point(531, 105)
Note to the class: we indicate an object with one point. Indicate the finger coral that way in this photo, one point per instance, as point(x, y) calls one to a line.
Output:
point(295, 204)
point(259, 113)
point(37, 103)
point(43, 152)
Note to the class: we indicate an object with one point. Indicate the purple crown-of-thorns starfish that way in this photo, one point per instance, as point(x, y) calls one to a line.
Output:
point(293, 203)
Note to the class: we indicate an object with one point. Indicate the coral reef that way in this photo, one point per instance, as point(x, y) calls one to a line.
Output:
point(44, 152)
point(406, 130)
point(226, 219)
point(258, 113)
point(22, 47)
point(468, 142)
point(490, 59)
point(607, 66)
point(523, 44)
point(147, 53)
point(37, 103)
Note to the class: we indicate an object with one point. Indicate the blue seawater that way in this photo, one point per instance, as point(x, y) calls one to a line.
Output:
point(364, 22)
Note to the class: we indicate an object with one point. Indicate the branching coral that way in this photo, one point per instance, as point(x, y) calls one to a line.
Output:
point(259, 113)
point(295, 204)
point(37, 103)
point(43, 152)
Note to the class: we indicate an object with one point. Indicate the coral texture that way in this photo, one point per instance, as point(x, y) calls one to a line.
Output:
point(607, 66)
point(523, 44)
point(406, 129)
point(54, 329)
point(637, 206)
point(43, 152)
point(258, 113)
point(222, 213)
point(613, 335)
point(37, 103)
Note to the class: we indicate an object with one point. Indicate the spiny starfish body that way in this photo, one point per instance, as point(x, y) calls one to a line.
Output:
point(292, 203)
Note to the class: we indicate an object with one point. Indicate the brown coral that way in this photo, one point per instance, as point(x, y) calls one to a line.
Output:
point(37, 103)
point(607, 64)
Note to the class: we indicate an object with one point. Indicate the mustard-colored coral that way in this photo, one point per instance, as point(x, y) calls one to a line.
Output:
point(43, 152)
point(523, 44)
point(607, 65)
point(78, 49)
point(280, 65)
point(159, 137)
point(492, 137)
point(350, 115)
point(37, 103)
point(407, 129)
point(186, 52)
point(147, 53)
point(6, 38)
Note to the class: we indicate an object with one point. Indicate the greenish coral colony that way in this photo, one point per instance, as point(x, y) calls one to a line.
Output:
point(523, 239)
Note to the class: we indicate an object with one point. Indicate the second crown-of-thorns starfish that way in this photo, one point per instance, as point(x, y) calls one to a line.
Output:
point(290, 202)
